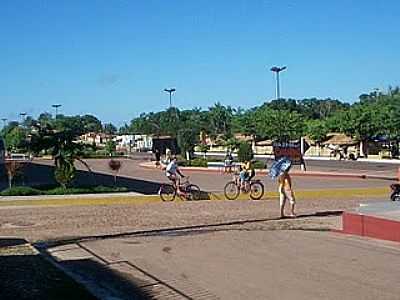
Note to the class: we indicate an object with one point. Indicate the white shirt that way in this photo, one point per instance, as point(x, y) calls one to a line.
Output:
point(171, 168)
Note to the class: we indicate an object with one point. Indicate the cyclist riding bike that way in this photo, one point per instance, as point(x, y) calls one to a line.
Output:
point(171, 172)
point(246, 174)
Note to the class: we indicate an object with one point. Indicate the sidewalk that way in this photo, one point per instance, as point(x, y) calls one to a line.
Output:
point(224, 263)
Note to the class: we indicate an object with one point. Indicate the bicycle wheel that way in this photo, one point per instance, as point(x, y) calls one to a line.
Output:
point(193, 192)
point(231, 190)
point(256, 190)
point(167, 192)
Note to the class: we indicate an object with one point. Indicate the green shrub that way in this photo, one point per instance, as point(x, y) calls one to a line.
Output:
point(198, 162)
point(85, 190)
point(21, 191)
point(28, 191)
point(258, 164)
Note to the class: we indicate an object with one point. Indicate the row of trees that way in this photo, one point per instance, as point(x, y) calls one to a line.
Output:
point(17, 135)
point(374, 115)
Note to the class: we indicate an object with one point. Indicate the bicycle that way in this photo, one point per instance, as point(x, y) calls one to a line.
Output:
point(188, 191)
point(233, 188)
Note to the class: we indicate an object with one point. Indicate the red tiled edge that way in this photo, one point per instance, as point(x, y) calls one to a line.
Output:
point(364, 225)
point(293, 173)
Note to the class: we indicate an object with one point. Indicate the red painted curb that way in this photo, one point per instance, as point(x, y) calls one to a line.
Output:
point(370, 226)
point(293, 173)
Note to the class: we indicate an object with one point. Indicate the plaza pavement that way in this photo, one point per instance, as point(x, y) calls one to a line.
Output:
point(230, 256)
point(274, 259)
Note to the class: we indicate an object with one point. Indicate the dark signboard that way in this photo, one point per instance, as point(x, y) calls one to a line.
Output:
point(164, 143)
point(291, 150)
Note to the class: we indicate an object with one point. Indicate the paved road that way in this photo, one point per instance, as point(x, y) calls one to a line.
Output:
point(147, 181)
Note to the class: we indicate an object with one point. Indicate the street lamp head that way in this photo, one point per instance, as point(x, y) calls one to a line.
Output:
point(56, 105)
point(170, 90)
point(277, 69)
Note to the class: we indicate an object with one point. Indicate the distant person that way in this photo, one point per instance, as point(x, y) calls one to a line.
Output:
point(228, 162)
point(158, 158)
point(168, 156)
point(286, 193)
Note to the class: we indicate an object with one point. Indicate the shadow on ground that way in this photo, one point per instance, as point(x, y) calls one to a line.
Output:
point(107, 281)
point(179, 230)
point(25, 275)
point(38, 175)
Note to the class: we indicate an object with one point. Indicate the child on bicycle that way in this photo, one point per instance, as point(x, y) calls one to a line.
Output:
point(171, 171)
point(246, 173)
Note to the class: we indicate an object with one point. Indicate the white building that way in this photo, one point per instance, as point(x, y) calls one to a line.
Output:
point(133, 142)
point(100, 139)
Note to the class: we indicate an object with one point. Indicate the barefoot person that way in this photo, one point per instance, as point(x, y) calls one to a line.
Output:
point(286, 193)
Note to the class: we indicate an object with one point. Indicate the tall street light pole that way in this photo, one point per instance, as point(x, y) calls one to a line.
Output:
point(170, 91)
point(277, 70)
point(56, 106)
point(23, 114)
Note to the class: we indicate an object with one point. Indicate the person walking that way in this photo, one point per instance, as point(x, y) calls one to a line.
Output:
point(286, 194)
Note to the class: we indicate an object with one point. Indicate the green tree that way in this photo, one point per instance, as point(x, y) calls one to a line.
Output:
point(279, 125)
point(245, 153)
point(110, 147)
point(64, 172)
point(109, 128)
point(187, 139)
point(16, 139)
point(220, 118)
point(232, 144)
point(317, 130)
point(90, 123)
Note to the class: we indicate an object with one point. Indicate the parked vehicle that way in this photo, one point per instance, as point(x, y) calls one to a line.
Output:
point(395, 195)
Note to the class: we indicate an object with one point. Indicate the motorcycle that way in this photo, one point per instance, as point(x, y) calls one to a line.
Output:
point(395, 195)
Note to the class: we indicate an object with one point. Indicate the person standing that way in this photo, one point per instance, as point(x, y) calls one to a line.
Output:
point(228, 162)
point(158, 158)
point(286, 194)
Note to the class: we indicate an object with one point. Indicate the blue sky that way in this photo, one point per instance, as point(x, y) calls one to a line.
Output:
point(113, 58)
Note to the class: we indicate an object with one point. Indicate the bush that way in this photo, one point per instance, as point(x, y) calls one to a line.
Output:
point(28, 191)
point(85, 190)
point(258, 164)
point(198, 162)
point(21, 191)
point(245, 153)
